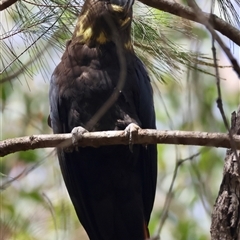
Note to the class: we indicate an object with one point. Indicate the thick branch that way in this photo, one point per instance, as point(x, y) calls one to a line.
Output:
point(186, 12)
point(95, 139)
point(6, 3)
point(225, 216)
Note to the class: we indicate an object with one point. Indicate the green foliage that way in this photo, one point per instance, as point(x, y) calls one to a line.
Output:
point(29, 156)
point(155, 43)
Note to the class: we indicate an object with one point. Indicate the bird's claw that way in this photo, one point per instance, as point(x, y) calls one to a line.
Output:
point(77, 134)
point(131, 132)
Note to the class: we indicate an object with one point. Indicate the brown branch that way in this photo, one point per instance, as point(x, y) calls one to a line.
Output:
point(186, 12)
point(4, 4)
point(225, 216)
point(202, 19)
point(95, 139)
point(235, 65)
point(179, 10)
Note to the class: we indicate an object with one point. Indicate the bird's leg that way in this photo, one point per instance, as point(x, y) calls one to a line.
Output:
point(77, 133)
point(131, 132)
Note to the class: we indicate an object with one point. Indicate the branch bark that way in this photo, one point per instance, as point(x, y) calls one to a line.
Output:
point(226, 212)
point(6, 3)
point(96, 139)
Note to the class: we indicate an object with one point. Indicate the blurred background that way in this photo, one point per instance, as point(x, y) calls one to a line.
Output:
point(178, 56)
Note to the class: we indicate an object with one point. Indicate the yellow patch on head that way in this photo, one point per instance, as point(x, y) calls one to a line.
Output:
point(101, 38)
point(80, 24)
point(87, 34)
point(80, 30)
point(117, 8)
point(124, 21)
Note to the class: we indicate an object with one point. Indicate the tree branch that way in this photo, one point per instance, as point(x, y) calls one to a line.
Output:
point(6, 3)
point(202, 19)
point(179, 10)
point(96, 139)
point(186, 12)
point(225, 215)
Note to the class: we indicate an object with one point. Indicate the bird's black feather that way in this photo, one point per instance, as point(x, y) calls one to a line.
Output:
point(111, 187)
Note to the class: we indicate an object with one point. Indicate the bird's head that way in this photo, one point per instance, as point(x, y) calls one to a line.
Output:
point(101, 21)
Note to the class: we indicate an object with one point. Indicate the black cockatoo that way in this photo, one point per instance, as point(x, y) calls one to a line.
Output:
point(112, 188)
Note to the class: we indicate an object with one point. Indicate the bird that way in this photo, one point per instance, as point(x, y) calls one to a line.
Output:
point(99, 85)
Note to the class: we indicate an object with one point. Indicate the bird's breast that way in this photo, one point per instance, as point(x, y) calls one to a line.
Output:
point(88, 83)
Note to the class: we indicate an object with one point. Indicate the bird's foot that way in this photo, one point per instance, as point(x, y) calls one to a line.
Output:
point(131, 132)
point(77, 134)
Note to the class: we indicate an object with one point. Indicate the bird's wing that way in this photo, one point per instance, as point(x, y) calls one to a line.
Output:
point(54, 118)
point(148, 154)
point(145, 109)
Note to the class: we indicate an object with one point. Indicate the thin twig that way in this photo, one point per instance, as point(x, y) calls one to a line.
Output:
point(205, 21)
point(236, 67)
point(179, 10)
point(219, 98)
point(8, 78)
point(5, 184)
point(186, 12)
point(169, 196)
point(50, 207)
point(54, 6)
